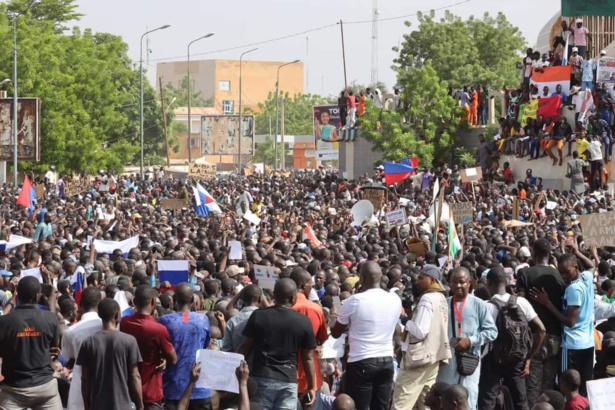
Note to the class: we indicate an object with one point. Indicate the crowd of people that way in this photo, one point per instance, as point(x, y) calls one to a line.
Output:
point(361, 316)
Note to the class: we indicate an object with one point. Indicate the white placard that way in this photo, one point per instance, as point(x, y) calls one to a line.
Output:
point(551, 205)
point(253, 219)
point(266, 276)
point(442, 261)
point(88, 242)
point(333, 348)
point(396, 217)
point(471, 172)
point(36, 272)
point(236, 251)
point(600, 394)
point(218, 370)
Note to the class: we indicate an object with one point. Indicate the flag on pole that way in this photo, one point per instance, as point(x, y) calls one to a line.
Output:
point(27, 196)
point(77, 283)
point(173, 271)
point(454, 245)
point(587, 105)
point(565, 58)
point(122, 300)
point(394, 173)
point(204, 203)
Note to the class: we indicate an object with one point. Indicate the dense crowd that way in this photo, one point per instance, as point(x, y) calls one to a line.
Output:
point(362, 315)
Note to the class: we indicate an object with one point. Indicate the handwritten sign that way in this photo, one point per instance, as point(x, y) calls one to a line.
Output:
point(173, 204)
point(73, 188)
point(266, 276)
point(463, 212)
point(600, 394)
point(471, 174)
point(396, 217)
point(36, 272)
point(375, 196)
point(40, 191)
point(218, 370)
point(598, 229)
point(202, 171)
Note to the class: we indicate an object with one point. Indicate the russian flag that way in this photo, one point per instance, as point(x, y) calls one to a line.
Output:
point(77, 283)
point(120, 298)
point(27, 196)
point(394, 173)
point(174, 272)
point(108, 247)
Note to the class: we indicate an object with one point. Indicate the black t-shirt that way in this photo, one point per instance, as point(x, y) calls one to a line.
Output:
point(551, 281)
point(109, 355)
point(26, 334)
point(278, 334)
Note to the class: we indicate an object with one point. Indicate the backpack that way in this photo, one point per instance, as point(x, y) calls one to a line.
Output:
point(514, 339)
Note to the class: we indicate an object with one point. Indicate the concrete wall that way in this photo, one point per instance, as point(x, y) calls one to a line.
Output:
point(357, 158)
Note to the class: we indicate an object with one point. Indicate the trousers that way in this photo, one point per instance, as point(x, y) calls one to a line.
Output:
point(412, 385)
point(489, 385)
point(370, 383)
point(43, 397)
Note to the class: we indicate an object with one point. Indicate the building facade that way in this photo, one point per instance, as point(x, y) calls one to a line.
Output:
point(219, 80)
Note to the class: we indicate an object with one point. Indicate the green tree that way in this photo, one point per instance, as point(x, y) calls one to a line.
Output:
point(464, 52)
point(298, 113)
point(58, 12)
point(265, 152)
point(179, 95)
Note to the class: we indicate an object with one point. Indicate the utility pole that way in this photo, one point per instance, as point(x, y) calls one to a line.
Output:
point(164, 121)
point(283, 129)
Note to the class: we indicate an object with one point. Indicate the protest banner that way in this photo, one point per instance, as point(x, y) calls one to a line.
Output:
point(218, 370)
point(605, 73)
point(266, 276)
point(396, 218)
point(202, 171)
point(530, 111)
point(73, 188)
point(471, 174)
point(375, 196)
point(173, 204)
point(600, 393)
point(463, 212)
point(598, 229)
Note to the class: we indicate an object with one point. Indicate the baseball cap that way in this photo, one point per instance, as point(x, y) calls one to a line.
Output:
point(524, 252)
point(579, 20)
point(234, 270)
point(602, 52)
point(433, 272)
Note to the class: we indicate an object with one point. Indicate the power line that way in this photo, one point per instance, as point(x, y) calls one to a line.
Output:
point(305, 32)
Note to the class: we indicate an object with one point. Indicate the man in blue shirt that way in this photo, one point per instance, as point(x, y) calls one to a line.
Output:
point(189, 332)
point(43, 230)
point(558, 91)
point(588, 66)
point(577, 318)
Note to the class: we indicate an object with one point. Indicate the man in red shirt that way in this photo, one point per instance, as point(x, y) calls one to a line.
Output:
point(154, 344)
point(352, 109)
point(313, 312)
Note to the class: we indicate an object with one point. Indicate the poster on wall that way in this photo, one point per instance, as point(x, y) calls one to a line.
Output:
point(327, 131)
point(220, 135)
point(606, 70)
point(28, 135)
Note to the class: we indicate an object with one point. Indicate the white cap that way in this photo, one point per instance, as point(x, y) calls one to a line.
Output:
point(579, 20)
point(575, 49)
point(602, 52)
point(524, 252)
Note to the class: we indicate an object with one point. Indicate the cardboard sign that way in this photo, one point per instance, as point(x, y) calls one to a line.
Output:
point(76, 187)
point(396, 218)
point(598, 229)
point(375, 196)
point(515, 210)
point(202, 171)
point(173, 204)
point(40, 191)
point(471, 174)
point(266, 276)
point(463, 212)
point(600, 393)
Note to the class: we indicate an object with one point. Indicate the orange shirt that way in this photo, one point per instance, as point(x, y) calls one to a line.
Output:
point(314, 312)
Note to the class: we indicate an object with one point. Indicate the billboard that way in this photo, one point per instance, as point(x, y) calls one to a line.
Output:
point(327, 132)
point(575, 8)
point(606, 71)
point(219, 135)
point(28, 114)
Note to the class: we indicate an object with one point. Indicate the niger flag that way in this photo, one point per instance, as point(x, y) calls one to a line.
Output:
point(552, 77)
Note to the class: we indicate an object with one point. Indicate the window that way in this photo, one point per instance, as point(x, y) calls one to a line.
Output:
point(224, 85)
point(228, 106)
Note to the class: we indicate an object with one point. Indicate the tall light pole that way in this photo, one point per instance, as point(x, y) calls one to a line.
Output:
point(15, 99)
point(141, 87)
point(189, 98)
point(277, 104)
point(240, 116)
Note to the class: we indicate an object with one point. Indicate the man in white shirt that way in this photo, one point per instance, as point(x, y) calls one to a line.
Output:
point(50, 176)
point(243, 201)
point(512, 372)
point(426, 345)
point(89, 324)
point(370, 317)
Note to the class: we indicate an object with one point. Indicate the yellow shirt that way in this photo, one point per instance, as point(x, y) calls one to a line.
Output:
point(581, 148)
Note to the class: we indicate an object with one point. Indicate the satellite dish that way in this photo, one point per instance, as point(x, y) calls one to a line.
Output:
point(361, 212)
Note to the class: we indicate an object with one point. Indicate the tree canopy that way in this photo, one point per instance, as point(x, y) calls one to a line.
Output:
point(464, 52)
point(179, 95)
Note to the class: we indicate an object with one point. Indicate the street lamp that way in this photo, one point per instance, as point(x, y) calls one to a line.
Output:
point(141, 86)
point(277, 95)
point(240, 117)
point(190, 100)
point(15, 111)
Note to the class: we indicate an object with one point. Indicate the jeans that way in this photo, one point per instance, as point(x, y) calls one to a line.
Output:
point(489, 386)
point(587, 84)
point(543, 369)
point(608, 148)
point(606, 115)
point(43, 397)
point(275, 394)
point(582, 361)
point(370, 383)
point(535, 149)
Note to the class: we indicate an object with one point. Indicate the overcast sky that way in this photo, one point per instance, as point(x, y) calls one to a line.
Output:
point(240, 22)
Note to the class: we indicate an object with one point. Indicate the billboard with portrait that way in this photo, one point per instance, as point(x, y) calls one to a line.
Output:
point(220, 135)
point(327, 131)
point(28, 110)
